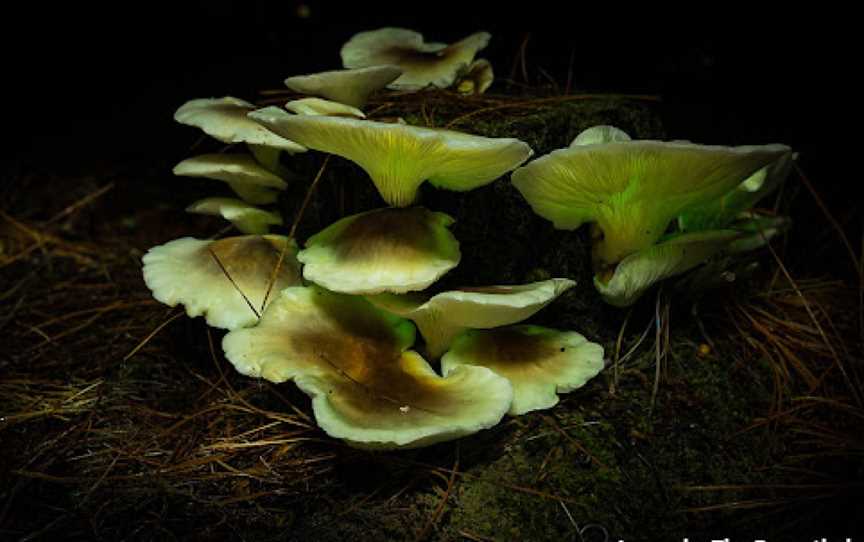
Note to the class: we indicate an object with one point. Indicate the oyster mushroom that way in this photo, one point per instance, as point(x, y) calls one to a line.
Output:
point(246, 218)
point(317, 106)
point(251, 181)
point(477, 78)
point(349, 87)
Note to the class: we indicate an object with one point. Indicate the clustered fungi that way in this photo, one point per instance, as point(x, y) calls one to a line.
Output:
point(338, 317)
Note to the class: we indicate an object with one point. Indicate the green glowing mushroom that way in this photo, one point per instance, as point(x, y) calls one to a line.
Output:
point(399, 157)
point(385, 250)
point(226, 280)
point(366, 386)
point(317, 106)
point(250, 180)
point(440, 318)
point(349, 87)
point(245, 217)
point(539, 362)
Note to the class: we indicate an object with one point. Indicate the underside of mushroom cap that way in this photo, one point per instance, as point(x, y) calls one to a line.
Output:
point(539, 362)
point(349, 87)
point(632, 190)
point(251, 181)
point(636, 273)
point(399, 157)
point(225, 119)
point(366, 387)
point(246, 218)
point(186, 271)
point(385, 250)
point(423, 64)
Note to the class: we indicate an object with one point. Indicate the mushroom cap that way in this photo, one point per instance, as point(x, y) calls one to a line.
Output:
point(443, 316)
point(721, 212)
point(636, 273)
point(399, 157)
point(250, 180)
point(366, 386)
point(225, 119)
point(349, 87)
point(422, 63)
point(246, 218)
point(317, 106)
point(477, 78)
point(633, 189)
point(385, 250)
point(756, 231)
point(539, 362)
point(602, 133)
point(184, 271)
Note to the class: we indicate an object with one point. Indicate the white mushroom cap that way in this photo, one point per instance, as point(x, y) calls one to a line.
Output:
point(184, 271)
point(317, 106)
point(366, 386)
point(225, 119)
point(443, 316)
point(423, 64)
point(477, 78)
point(632, 190)
point(398, 157)
point(602, 133)
point(349, 87)
point(246, 218)
point(244, 175)
point(639, 271)
point(539, 362)
point(385, 250)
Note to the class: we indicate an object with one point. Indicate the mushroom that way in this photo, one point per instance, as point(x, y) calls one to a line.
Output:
point(349, 87)
point(398, 157)
point(602, 133)
point(632, 190)
point(225, 280)
point(639, 271)
point(317, 106)
point(539, 362)
point(245, 176)
point(477, 78)
point(756, 231)
point(385, 250)
point(225, 120)
point(440, 318)
point(423, 64)
point(366, 386)
point(246, 218)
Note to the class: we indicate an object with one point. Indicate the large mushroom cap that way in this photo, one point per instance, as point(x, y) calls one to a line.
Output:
point(442, 317)
point(349, 87)
point(250, 180)
point(386, 250)
point(246, 218)
point(225, 119)
point(422, 63)
point(186, 271)
point(539, 362)
point(398, 157)
point(633, 189)
point(636, 273)
point(366, 387)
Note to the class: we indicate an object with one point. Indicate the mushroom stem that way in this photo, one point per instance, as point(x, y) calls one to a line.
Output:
point(269, 158)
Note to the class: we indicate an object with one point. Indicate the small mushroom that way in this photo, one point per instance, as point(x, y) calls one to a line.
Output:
point(423, 64)
point(442, 317)
point(349, 87)
point(317, 106)
point(385, 250)
point(399, 157)
point(366, 386)
point(244, 175)
point(538, 361)
point(602, 133)
point(477, 78)
point(246, 218)
point(632, 190)
point(639, 271)
point(756, 231)
point(211, 278)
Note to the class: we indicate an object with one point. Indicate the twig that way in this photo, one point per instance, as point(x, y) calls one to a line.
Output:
point(231, 280)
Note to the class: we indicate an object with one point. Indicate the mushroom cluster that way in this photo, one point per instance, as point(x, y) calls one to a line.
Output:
point(339, 316)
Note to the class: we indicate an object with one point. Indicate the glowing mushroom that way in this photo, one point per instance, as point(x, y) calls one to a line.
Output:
point(639, 271)
point(538, 361)
point(244, 175)
point(602, 133)
point(423, 63)
point(366, 386)
point(478, 77)
point(317, 106)
point(398, 157)
point(386, 250)
point(349, 87)
point(632, 190)
point(224, 280)
point(443, 316)
point(246, 218)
